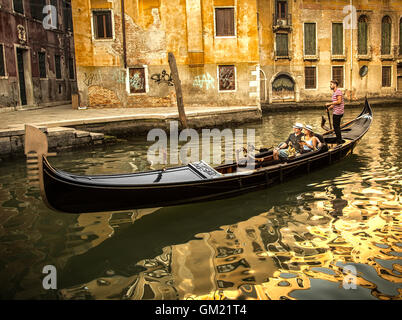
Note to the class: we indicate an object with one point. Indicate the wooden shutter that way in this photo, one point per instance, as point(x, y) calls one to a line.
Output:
point(386, 76)
point(310, 77)
point(227, 79)
point(103, 24)
point(224, 20)
point(281, 9)
point(362, 36)
point(337, 39)
point(337, 74)
point(2, 66)
point(309, 39)
point(137, 80)
point(386, 36)
point(400, 37)
point(282, 45)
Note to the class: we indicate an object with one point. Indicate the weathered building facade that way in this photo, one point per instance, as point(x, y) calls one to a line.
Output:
point(37, 64)
point(122, 52)
point(306, 43)
point(235, 52)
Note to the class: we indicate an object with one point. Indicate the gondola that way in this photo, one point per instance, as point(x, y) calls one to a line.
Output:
point(190, 183)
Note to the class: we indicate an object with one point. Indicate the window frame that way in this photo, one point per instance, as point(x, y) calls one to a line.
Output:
point(46, 69)
point(3, 52)
point(218, 78)
point(23, 8)
point(234, 22)
point(343, 75)
point(382, 77)
point(390, 36)
point(93, 26)
point(332, 40)
point(304, 39)
point(316, 77)
point(55, 67)
point(145, 67)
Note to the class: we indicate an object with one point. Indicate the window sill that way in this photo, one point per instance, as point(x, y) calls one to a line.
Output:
point(283, 58)
point(311, 58)
point(387, 57)
point(225, 37)
point(226, 91)
point(366, 57)
point(340, 57)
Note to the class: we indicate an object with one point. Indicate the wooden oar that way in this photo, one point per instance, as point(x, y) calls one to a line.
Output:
point(329, 119)
point(323, 124)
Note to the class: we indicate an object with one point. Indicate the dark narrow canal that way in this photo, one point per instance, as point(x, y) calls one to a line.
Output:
point(293, 241)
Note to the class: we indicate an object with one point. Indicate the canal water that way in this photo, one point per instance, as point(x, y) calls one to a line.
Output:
point(332, 234)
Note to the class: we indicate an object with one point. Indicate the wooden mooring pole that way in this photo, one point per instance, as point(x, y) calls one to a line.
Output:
point(177, 85)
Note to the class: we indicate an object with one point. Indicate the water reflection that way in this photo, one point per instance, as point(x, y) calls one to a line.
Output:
point(292, 241)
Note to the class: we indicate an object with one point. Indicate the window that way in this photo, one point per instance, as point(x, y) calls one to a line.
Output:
point(337, 38)
point(137, 80)
point(310, 39)
point(386, 35)
point(362, 35)
point(18, 6)
point(103, 24)
point(337, 74)
point(42, 64)
point(227, 78)
point(386, 76)
point(58, 66)
point(282, 45)
point(224, 22)
point(400, 37)
point(71, 67)
point(37, 8)
point(68, 19)
point(310, 76)
point(281, 9)
point(2, 60)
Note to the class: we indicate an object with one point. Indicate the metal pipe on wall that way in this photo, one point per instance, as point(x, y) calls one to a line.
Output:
point(123, 18)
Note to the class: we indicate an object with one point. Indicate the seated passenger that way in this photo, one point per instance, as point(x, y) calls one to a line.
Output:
point(309, 142)
point(292, 146)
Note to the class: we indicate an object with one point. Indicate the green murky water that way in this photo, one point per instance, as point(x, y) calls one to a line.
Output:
point(292, 241)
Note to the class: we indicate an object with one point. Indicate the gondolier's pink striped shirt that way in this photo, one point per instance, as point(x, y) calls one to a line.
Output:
point(338, 108)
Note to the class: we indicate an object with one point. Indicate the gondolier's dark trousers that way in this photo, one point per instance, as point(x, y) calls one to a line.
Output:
point(337, 126)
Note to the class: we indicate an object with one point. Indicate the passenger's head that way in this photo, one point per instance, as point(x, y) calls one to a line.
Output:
point(308, 130)
point(297, 128)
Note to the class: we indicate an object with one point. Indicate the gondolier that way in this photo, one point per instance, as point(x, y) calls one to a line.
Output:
point(338, 106)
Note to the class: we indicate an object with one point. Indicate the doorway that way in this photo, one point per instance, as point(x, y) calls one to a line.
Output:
point(21, 75)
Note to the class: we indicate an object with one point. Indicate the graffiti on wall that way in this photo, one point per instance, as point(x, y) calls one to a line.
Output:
point(163, 77)
point(98, 77)
point(204, 80)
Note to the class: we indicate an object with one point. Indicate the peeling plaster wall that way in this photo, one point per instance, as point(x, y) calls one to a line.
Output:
point(154, 28)
point(324, 12)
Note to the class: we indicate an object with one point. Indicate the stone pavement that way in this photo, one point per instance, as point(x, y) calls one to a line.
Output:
point(64, 115)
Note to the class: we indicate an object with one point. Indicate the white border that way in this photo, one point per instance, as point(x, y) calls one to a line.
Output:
point(145, 77)
point(93, 26)
point(316, 77)
point(332, 73)
point(235, 74)
point(234, 20)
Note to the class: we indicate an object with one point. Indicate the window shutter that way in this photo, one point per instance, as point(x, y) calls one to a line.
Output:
point(309, 38)
point(386, 36)
point(282, 44)
point(224, 20)
point(42, 64)
point(310, 77)
point(337, 39)
point(337, 74)
point(362, 37)
point(386, 76)
point(400, 37)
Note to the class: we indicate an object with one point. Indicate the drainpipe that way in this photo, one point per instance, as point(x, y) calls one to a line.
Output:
point(123, 18)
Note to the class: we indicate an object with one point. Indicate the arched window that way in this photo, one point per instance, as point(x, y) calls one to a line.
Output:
point(362, 35)
point(283, 88)
point(386, 30)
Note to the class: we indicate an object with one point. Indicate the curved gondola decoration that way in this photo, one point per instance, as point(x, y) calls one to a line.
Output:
point(198, 181)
